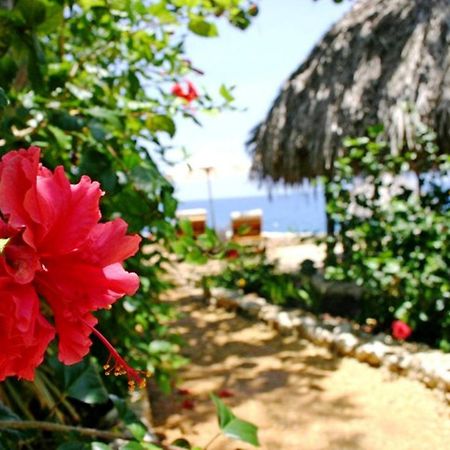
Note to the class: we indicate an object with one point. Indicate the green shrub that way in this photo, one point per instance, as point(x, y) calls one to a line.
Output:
point(255, 274)
point(396, 246)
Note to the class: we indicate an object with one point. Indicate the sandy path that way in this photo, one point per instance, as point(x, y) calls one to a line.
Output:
point(301, 396)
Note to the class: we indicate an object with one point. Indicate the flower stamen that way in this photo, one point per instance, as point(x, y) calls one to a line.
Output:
point(117, 366)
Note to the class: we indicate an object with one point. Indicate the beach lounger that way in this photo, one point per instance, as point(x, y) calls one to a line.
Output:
point(196, 217)
point(246, 227)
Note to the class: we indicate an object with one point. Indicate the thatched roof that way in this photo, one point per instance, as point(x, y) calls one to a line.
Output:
point(386, 62)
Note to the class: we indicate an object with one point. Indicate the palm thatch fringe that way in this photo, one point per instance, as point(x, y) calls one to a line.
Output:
point(386, 62)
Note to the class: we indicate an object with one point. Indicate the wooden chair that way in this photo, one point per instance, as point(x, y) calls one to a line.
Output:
point(196, 217)
point(246, 227)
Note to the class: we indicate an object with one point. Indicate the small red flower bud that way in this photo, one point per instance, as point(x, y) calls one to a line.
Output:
point(400, 330)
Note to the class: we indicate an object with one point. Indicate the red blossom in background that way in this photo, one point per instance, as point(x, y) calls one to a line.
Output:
point(56, 250)
point(188, 92)
point(188, 404)
point(183, 391)
point(232, 253)
point(400, 330)
point(225, 393)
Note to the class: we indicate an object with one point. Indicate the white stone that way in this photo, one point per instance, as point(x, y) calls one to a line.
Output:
point(346, 343)
point(323, 336)
point(284, 320)
point(252, 304)
point(431, 367)
point(269, 313)
point(372, 352)
point(220, 293)
point(306, 326)
point(344, 327)
point(444, 380)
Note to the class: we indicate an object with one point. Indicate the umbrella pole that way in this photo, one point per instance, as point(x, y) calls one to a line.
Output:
point(208, 171)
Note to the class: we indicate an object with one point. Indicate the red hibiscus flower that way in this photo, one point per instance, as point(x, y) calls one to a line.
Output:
point(400, 330)
point(188, 92)
point(59, 254)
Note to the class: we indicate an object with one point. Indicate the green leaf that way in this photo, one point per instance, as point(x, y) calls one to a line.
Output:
point(88, 4)
point(159, 346)
point(243, 431)
point(108, 115)
point(132, 446)
point(182, 443)
point(125, 413)
point(169, 203)
point(234, 427)
point(138, 430)
point(160, 11)
point(63, 140)
point(161, 122)
point(76, 445)
point(226, 94)
point(224, 414)
point(136, 427)
point(33, 11)
point(140, 446)
point(3, 99)
point(83, 383)
point(53, 18)
point(203, 28)
point(186, 227)
point(99, 446)
point(97, 131)
point(240, 20)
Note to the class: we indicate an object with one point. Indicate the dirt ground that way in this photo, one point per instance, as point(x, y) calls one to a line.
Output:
point(301, 397)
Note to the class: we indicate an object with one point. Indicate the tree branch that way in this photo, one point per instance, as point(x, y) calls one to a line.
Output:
point(58, 427)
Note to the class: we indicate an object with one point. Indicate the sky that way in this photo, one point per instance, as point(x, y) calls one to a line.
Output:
point(257, 62)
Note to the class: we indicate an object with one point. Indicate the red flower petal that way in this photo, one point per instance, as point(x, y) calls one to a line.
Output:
point(74, 288)
point(189, 94)
point(177, 90)
point(73, 334)
point(99, 249)
point(18, 172)
point(225, 393)
point(65, 213)
point(192, 93)
point(24, 334)
point(21, 261)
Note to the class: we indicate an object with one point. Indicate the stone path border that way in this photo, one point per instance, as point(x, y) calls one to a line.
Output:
point(417, 361)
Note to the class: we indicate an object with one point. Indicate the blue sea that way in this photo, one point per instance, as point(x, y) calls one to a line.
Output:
point(296, 211)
